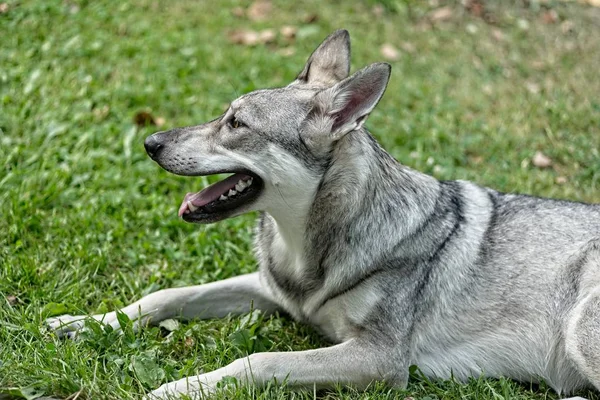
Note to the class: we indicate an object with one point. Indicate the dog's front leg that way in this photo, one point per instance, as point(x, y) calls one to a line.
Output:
point(352, 363)
point(212, 300)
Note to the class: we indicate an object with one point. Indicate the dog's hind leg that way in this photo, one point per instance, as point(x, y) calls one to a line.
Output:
point(582, 336)
point(212, 300)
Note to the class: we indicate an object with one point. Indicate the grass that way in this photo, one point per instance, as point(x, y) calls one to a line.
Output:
point(88, 223)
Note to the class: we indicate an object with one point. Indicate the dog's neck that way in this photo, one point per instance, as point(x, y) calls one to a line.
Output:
point(361, 178)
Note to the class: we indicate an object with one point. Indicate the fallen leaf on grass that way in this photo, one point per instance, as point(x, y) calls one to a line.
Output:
point(567, 27)
point(310, 18)
point(251, 38)
point(144, 118)
point(561, 180)
point(288, 32)
point(12, 300)
point(541, 160)
point(389, 52)
point(260, 10)
point(476, 160)
point(159, 121)
point(3, 8)
point(593, 3)
point(238, 12)
point(550, 17)
point(441, 14)
point(475, 7)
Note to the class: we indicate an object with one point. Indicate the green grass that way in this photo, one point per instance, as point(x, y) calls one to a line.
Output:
point(88, 223)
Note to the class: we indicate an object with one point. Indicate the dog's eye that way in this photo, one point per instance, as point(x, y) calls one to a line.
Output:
point(235, 123)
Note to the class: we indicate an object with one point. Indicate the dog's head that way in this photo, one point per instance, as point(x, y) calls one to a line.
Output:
point(277, 143)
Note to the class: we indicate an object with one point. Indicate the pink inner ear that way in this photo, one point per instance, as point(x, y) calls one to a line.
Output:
point(351, 110)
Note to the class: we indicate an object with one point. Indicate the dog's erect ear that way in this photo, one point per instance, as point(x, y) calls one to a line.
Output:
point(348, 104)
point(330, 62)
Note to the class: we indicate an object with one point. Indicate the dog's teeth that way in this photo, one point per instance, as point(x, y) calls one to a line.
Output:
point(191, 207)
point(240, 186)
point(223, 197)
point(231, 192)
point(249, 182)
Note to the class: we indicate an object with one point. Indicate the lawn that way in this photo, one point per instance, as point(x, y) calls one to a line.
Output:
point(88, 223)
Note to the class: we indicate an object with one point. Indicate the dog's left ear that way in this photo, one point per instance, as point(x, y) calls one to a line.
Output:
point(330, 62)
point(346, 106)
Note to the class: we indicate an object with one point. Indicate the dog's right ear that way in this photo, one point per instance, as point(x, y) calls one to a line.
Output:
point(330, 62)
point(345, 106)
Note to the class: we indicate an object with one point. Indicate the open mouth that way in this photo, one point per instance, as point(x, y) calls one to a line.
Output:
point(220, 200)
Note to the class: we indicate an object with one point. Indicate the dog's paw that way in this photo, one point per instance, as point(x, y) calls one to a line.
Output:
point(174, 390)
point(66, 325)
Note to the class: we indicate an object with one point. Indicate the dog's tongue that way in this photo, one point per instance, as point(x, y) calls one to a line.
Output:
point(211, 193)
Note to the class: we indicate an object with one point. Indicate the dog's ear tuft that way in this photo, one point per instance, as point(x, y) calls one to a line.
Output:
point(330, 62)
point(355, 97)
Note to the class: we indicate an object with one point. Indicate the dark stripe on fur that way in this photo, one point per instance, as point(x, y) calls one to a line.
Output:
point(287, 285)
point(352, 286)
point(456, 208)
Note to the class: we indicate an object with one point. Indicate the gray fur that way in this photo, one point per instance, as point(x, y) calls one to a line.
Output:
point(394, 266)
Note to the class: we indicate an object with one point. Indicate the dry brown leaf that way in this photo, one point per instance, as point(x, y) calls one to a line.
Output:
point(541, 160)
point(550, 17)
point(266, 36)
point(189, 341)
point(593, 3)
point(12, 300)
point(475, 7)
point(144, 118)
point(288, 32)
point(160, 121)
point(251, 38)
point(441, 14)
point(243, 36)
point(567, 27)
point(238, 12)
point(476, 160)
point(561, 180)
point(3, 8)
point(310, 18)
point(389, 52)
point(260, 10)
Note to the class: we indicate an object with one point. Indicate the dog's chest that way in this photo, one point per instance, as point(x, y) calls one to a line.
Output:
point(297, 287)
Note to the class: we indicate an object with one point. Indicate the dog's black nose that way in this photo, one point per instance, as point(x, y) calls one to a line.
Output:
point(152, 146)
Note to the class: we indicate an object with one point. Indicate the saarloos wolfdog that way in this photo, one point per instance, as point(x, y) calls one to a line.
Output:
point(392, 266)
